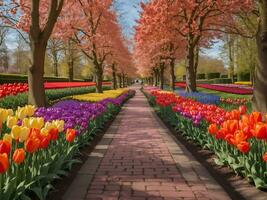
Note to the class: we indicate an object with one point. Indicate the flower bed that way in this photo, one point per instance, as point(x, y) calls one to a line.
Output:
point(15, 88)
point(222, 88)
point(238, 139)
point(95, 97)
point(41, 144)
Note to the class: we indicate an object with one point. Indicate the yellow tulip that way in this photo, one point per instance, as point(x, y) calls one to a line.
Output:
point(40, 122)
point(44, 131)
point(59, 125)
point(8, 138)
point(29, 110)
point(21, 113)
point(3, 115)
point(26, 122)
point(11, 121)
point(15, 131)
point(24, 134)
point(10, 112)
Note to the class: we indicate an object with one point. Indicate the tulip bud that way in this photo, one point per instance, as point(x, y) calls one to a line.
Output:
point(24, 134)
point(4, 164)
point(15, 132)
point(70, 135)
point(18, 156)
point(11, 121)
point(3, 115)
point(21, 113)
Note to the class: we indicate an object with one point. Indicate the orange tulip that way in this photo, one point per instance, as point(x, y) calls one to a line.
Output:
point(32, 144)
point(5, 147)
point(213, 129)
point(264, 157)
point(255, 117)
point(243, 146)
point(70, 135)
point(54, 133)
point(260, 131)
point(3, 163)
point(18, 156)
point(35, 132)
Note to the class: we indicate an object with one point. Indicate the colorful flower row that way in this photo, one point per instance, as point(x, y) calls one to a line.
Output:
point(244, 83)
point(96, 97)
point(15, 88)
point(38, 145)
point(237, 101)
point(222, 88)
point(238, 139)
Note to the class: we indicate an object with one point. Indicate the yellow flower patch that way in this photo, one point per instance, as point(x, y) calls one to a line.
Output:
point(95, 97)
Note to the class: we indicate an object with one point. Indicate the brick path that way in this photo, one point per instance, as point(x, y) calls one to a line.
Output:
point(139, 159)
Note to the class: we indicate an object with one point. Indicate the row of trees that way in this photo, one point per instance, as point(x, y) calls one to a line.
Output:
point(89, 25)
point(169, 31)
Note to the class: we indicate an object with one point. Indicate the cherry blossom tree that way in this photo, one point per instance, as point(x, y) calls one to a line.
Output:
point(198, 22)
point(38, 18)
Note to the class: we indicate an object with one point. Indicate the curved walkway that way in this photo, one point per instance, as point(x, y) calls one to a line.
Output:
point(139, 159)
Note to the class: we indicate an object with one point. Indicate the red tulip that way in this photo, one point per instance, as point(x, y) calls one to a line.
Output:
point(264, 157)
point(242, 109)
point(244, 147)
point(4, 164)
point(32, 144)
point(213, 129)
point(54, 133)
point(5, 147)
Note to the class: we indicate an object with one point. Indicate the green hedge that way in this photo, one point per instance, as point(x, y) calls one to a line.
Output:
point(17, 78)
point(213, 75)
point(215, 81)
point(51, 95)
point(201, 76)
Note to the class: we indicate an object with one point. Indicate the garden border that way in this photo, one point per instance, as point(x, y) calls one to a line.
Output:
point(236, 186)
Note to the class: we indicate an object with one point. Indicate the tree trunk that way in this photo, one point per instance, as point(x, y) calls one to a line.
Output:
point(162, 68)
point(114, 79)
point(56, 69)
point(259, 100)
point(172, 81)
point(190, 70)
point(231, 58)
point(36, 75)
point(123, 80)
point(99, 79)
point(70, 64)
point(119, 77)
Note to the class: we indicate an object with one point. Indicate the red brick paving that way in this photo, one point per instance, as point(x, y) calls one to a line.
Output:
point(138, 164)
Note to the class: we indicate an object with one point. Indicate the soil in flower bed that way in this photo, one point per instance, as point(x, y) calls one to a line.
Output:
point(62, 185)
point(225, 176)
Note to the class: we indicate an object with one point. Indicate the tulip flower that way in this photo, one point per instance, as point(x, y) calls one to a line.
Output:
point(44, 143)
point(7, 138)
point(24, 134)
point(3, 115)
point(11, 121)
point(4, 164)
point(213, 129)
point(264, 157)
point(18, 156)
point(5, 147)
point(54, 133)
point(242, 109)
point(15, 132)
point(70, 135)
point(32, 144)
point(244, 147)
